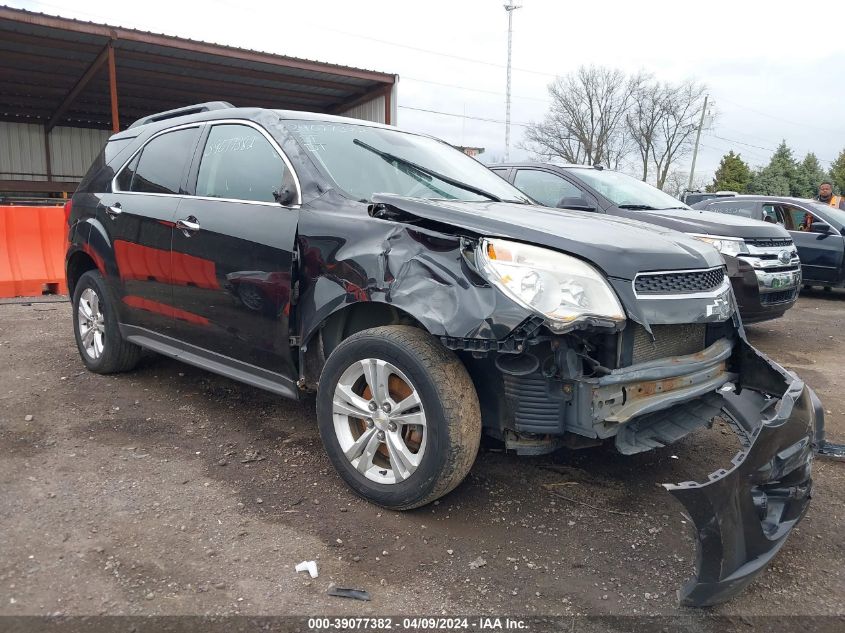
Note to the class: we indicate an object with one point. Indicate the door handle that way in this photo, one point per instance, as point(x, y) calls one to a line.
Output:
point(114, 210)
point(188, 225)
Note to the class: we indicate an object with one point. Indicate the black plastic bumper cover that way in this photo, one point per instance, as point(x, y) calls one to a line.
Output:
point(744, 514)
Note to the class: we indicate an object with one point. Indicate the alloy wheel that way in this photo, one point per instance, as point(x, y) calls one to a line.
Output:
point(379, 421)
point(92, 326)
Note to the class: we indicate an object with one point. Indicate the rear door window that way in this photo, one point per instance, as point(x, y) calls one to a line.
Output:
point(239, 163)
point(545, 187)
point(160, 167)
point(780, 215)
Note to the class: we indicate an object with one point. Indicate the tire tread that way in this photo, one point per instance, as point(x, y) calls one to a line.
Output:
point(119, 355)
point(457, 396)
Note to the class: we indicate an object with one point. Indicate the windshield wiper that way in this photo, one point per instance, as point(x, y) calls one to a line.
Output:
point(392, 158)
point(638, 207)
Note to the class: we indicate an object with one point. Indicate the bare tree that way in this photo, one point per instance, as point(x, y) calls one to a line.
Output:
point(642, 121)
point(677, 181)
point(600, 115)
point(678, 122)
point(586, 122)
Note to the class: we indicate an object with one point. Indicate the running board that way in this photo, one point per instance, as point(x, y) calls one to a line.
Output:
point(211, 361)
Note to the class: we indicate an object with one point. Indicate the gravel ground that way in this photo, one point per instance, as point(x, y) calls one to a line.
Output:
point(170, 490)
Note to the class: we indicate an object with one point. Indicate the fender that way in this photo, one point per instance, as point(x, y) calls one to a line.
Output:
point(416, 270)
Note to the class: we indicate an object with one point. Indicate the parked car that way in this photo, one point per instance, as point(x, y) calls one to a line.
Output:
point(761, 260)
point(426, 301)
point(817, 230)
point(692, 197)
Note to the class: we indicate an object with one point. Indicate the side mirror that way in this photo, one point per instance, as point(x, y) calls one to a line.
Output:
point(820, 227)
point(284, 197)
point(577, 204)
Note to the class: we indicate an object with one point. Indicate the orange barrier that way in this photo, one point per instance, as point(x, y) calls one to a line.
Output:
point(32, 251)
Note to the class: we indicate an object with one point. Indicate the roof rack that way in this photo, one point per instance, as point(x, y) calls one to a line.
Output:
point(192, 109)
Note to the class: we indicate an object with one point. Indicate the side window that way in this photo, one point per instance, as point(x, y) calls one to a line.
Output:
point(546, 188)
point(732, 207)
point(162, 163)
point(770, 214)
point(502, 173)
point(239, 163)
point(802, 220)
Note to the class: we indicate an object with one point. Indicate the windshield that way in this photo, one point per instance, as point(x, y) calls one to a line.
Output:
point(836, 215)
point(624, 191)
point(363, 160)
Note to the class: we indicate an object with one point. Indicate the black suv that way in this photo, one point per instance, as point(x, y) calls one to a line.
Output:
point(817, 229)
point(426, 301)
point(761, 259)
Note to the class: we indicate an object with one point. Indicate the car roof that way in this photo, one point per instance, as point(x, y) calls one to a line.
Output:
point(760, 197)
point(535, 163)
point(143, 126)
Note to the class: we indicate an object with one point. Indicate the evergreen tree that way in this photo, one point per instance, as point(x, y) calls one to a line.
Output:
point(837, 173)
point(779, 177)
point(809, 176)
point(733, 174)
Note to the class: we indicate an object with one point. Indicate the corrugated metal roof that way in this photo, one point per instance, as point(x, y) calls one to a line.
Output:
point(341, 68)
point(43, 57)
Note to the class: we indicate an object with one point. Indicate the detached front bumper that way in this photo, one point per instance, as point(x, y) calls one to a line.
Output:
point(744, 513)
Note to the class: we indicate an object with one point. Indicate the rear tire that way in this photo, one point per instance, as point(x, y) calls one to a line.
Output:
point(372, 446)
point(101, 346)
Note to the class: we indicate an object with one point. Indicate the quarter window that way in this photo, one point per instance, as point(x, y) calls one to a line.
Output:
point(239, 163)
point(124, 178)
point(162, 163)
point(546, 188)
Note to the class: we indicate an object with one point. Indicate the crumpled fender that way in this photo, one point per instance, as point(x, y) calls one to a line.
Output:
point(743, 514)
point(347, 261)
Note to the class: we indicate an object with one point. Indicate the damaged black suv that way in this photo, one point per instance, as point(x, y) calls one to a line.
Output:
point(427, 301)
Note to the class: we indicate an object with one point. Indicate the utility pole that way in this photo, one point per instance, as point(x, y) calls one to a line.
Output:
point(510, 7)
point(697, 139)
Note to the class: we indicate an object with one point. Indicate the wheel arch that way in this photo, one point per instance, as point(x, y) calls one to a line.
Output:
point(78, 263)
point(340, 325)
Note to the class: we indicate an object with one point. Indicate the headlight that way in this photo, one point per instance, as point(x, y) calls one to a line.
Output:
point(726, 245)
point(562, 288)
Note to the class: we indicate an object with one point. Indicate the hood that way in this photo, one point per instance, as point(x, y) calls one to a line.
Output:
point(711, 223)
point(619, 246)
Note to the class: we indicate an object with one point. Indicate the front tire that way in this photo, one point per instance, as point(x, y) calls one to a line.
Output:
point(98, 338)
point(399, 416)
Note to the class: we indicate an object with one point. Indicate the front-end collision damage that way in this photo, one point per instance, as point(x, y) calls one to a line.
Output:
point(743, 514)
point(556, 388)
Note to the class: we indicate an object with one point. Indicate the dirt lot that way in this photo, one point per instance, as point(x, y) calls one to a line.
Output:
point(170, 490)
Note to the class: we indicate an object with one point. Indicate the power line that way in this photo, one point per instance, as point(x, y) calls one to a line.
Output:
point(779, 118)
point(767, 149)
point(753, 155)
point(482, 90)
point(461, 116)
point(730, 140)
point(418, 49)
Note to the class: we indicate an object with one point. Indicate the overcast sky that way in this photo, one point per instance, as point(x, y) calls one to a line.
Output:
point(774, 71)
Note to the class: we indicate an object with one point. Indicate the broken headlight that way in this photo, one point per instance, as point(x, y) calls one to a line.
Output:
point(560, 287)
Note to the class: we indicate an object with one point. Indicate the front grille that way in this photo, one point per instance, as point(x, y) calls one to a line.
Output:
point(679, 282)
point(669, 340)
point(769, 242)
point(781, 296)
